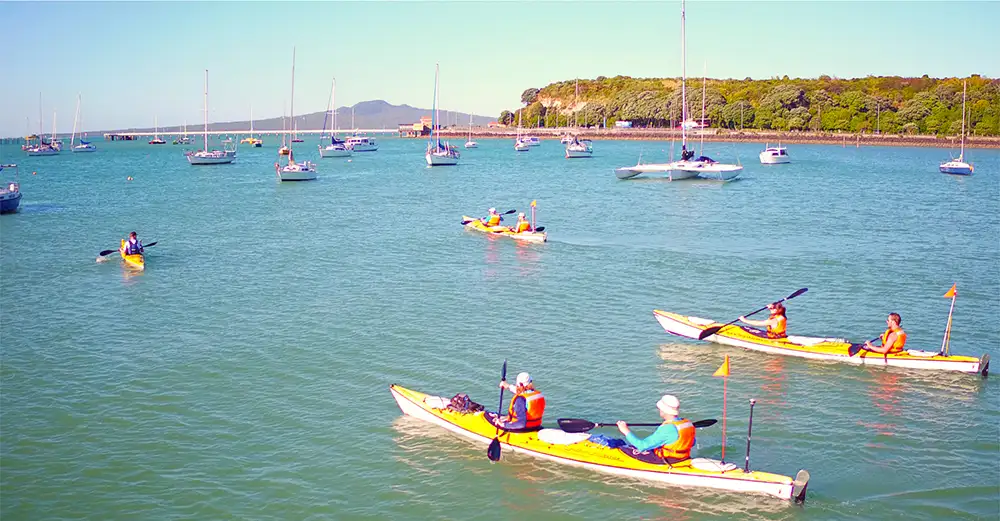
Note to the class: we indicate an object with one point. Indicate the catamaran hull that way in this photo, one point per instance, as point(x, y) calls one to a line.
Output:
point(833, 349)
point(415, 404)
point(628, 172)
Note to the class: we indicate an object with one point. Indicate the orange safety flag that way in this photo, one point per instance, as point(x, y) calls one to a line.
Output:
point(723, 369)
point(951, 292)
point(533, 203)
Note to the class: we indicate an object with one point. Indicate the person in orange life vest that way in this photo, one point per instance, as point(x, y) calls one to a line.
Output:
point(493, 219)
point(777, 323)
point(672, 440)
point(893, 339)
point(133, 245)
point(526, 407)
point(523, 225)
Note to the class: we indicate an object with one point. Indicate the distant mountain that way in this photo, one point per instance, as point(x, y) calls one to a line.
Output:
point(373, 114)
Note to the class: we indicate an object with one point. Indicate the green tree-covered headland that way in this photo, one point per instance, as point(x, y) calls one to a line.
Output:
point(889, 105)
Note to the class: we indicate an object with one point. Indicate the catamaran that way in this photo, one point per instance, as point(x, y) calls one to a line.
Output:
point(438, 153)
point(337, 147)
point(206, 156)
point(703, 166)
point(251, 140)
point(84, 146)
point(958, 166)
point(292, 171)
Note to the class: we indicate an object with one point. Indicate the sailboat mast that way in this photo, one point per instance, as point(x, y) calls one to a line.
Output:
point(205, 116)
point(437, 95)
point(39, 118)
point(292, 108)
point(683, 80)
point(704, 80)
point(333, 102)
point(251, 120)
point(76, 119)
point(961, 154)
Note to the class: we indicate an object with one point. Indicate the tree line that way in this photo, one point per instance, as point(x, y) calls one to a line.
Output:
point(886, 104)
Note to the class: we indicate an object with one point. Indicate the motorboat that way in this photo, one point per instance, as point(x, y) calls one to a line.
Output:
point(361, 143)
point(10, 194)
point(774, 156)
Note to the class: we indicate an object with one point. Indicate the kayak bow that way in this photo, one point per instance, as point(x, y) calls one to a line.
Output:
point(836, 349)
point(576, 450)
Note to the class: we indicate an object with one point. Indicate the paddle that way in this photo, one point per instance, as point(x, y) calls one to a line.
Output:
point(857, 348)
point(493, 452)
point(109, 252)
point(581, 425)
point(508, 212)
point(715, 329)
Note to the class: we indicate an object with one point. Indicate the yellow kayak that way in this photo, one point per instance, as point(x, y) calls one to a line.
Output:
point(472, 223)
point(575, 449)
point(836, 349)
point(135, 261)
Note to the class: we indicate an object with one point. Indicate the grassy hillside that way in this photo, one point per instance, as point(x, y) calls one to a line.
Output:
point(889, 104)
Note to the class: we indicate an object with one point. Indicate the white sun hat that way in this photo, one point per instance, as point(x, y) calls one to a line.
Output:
point(669, 404)
point(523, 379)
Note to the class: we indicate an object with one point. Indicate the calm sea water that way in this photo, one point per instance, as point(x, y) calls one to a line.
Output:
point(244, 375)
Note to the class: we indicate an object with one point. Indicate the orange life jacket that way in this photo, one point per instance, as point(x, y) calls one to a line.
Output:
point(778, 330)
point(493, 220)
point(680, 449)
point(534, 402)
point(522, 226)
point(898, 343)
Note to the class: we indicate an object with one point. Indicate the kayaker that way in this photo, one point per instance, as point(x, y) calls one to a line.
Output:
point(893, 339)
point(777, 323)
point(672, 440)
point(133, 245)
point(526, 407)
point(523, 225)
point(493, 219)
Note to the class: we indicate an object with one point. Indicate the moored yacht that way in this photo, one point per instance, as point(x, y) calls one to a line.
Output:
point(774, 155)
point(206, 156)
point(361, 143)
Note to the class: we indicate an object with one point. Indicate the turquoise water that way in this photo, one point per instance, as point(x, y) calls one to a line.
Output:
point(244, 374)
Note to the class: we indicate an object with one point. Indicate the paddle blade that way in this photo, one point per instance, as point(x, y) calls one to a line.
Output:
point(106, 252)
point(509, 212)
point(701, 424)
point(540, 229)
point(493, 452)
point(709, 332)
point(575, 424)
point(150, 244)
point(797, 293)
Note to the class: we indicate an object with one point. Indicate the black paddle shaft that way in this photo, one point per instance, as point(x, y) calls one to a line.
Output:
point(749, 430)
point(713, 330)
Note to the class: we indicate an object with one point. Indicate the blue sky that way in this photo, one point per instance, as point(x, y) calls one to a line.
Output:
point(134, 61)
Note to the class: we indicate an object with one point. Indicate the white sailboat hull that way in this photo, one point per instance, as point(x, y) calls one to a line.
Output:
point(298, 172)
point(42, 152)
point(440, 159)
point(627, 172)
point(84, 148)
point(956, 168)
point(471, 144)
point(209, 158)
point(334, 151)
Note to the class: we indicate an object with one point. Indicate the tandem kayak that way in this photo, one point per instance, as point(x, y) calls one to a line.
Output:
point(472, 223)
point(575, 449)
point(135, 261)
point(836, 349)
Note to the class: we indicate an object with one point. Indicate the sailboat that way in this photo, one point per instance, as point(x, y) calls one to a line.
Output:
point(251, 140)
point(438, 153)
point(337, 147)
point(206, 156)
point(519, 144)
point(295, 133)
point(42, 148)
point(185, 140)
point(84, 146)
point(292, 171)
point(958, 166)
point(703, 166)
point(156, 133)
point(470, 143)
point(283, 150)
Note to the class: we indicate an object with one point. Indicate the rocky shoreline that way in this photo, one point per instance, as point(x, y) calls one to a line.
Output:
point(745, 136)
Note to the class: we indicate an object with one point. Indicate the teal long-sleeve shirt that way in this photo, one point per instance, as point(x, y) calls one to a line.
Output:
point(663, 435)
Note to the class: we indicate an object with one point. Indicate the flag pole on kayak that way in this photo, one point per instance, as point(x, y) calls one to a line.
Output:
point(945, 344)
point(533, 214)
point(724, 373)
point(749, 430)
